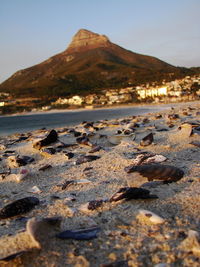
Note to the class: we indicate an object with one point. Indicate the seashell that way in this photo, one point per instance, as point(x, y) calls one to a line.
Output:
point(34, 190)
point(40, 230)
point(91, 205)
point(13, 256)
point(173, 116)
point(84, 159)
point(155, 172)
point(80, 234)
point(2, 147)
point(191, 243)
point(155, 159)
point(48, 151)
point(95, 149)
point(83, 140)
point(195, 143)
point(117, 139)
point(69, 155)
point(45, 167)
point(18, 161)
point(51, 138)
point(18, 207)
point(147, 140)
point(150, 216)
point(128, 193)
point(21, 175)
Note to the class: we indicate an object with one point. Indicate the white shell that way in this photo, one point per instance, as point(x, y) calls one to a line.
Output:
point(34, 190)
point(152, 217)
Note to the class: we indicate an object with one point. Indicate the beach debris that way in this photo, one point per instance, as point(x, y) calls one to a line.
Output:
point(42, 229)
point(146, 215)
point(146, 158)
point(84, 140)
point(123, 263)
point(67, 183)
point(18, 161)
point(47, 151)
point(157, 171)
point(52, 137)
point(191, 243)
point(91, 205)
point(128, 193)
point(195, 143)
point(2, 147)
point(13, 256)
point(69, 155)
point(34, 190)
point(86, 158)
point(117, 139)
point(80, 234)
point(147, 140)
point(45, 167)
point(95, 149)
point(23, 173)
point(18, 207)
point(5, 173)
point(173, 116)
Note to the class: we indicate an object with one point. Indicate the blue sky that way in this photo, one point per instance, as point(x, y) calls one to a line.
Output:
point(33, 30)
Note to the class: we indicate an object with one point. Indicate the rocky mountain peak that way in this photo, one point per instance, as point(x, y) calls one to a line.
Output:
point(85, 39)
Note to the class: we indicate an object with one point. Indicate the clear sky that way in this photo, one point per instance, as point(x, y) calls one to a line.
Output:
point(33, 30)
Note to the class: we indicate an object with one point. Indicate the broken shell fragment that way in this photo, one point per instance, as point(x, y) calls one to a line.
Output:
point(150, 216)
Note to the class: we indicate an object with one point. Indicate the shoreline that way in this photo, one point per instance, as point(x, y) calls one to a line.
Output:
point(122, 106)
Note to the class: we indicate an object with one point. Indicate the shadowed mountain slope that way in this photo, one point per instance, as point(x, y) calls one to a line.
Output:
point(89, 64)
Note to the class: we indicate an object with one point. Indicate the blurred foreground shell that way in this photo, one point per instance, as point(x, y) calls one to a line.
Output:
point(156, 172)
point(18, 207)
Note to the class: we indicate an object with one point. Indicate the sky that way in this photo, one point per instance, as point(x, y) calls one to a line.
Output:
point(31, 31)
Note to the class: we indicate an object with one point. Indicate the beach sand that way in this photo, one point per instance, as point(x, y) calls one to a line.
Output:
point(124, 239)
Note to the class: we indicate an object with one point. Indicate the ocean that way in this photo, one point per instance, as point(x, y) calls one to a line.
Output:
point(49, 120)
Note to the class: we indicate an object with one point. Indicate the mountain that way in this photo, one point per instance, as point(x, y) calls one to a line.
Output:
point(89, 64)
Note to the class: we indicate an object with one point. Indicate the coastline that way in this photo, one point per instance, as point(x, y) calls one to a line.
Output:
point(123, 237)
point(122, 106)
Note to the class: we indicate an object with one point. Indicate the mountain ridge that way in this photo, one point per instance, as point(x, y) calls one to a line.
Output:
point(90, 63)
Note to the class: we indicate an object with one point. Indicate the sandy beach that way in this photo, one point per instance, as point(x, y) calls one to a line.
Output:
point(66, 176)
